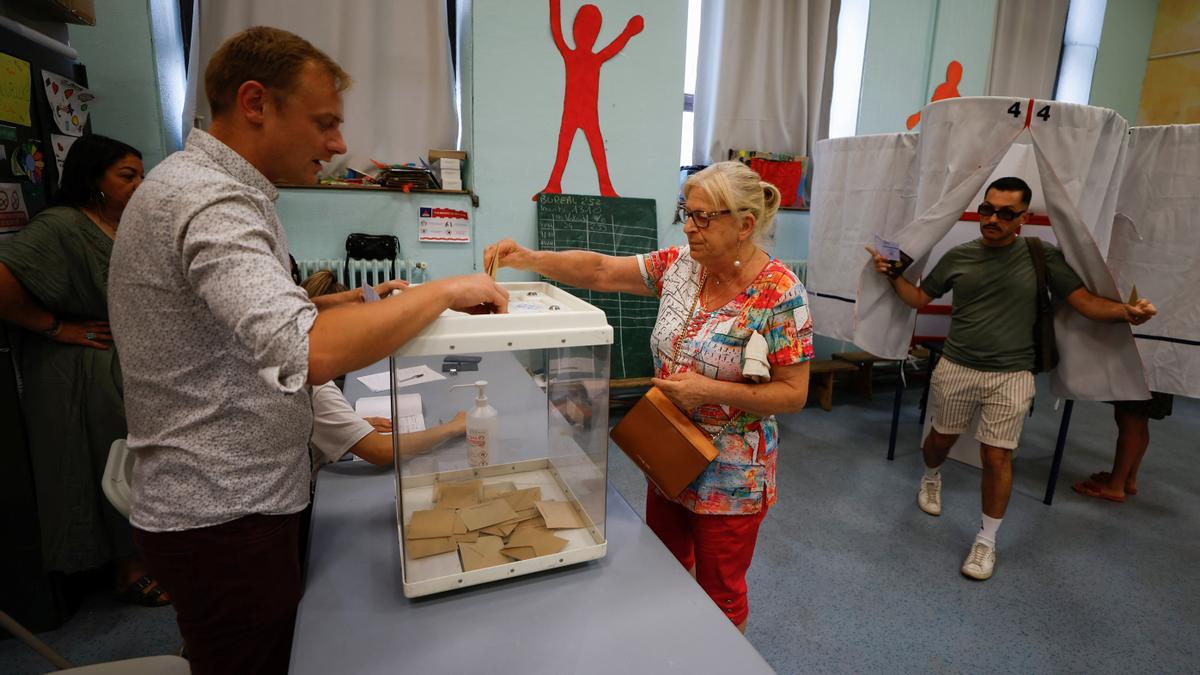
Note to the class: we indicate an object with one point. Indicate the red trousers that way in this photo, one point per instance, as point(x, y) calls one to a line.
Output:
point(719, 547)
point(235, 588)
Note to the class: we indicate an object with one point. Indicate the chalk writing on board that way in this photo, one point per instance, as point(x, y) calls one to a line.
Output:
point(612, 226)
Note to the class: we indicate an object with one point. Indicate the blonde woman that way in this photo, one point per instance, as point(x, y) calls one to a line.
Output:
point(715, 293)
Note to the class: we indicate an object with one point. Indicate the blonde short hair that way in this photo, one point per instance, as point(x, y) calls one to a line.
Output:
point(270, 56)
point(735, 186)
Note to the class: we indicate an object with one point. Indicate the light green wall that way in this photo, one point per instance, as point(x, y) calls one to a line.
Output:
point(1121, 61)
point(512, 90)
point(119, 54)
point(908, 46)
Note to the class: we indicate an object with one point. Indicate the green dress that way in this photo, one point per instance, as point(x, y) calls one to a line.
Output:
point(72, 395)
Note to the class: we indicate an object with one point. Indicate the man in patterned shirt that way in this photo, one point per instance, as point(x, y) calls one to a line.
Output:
point(220, 347)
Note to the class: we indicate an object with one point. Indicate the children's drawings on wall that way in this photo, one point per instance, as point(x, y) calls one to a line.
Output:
point(62, 144)
point(14, 90)
point(13, 214)
point(27, 161)
point(68, 101)
point(580, 100)
point(947, 89)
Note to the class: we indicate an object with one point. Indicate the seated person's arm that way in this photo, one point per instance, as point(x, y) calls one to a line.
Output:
point(383, 290)
point(376, 448)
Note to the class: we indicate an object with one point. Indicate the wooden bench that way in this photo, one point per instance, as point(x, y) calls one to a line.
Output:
point(863, 361)
point(820, 379)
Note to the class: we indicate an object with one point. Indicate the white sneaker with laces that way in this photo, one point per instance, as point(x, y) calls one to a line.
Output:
point(980, 561)
point(929, 498)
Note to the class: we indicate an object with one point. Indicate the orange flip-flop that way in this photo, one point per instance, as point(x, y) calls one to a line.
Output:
point(1102, 476)
point(1088, 489)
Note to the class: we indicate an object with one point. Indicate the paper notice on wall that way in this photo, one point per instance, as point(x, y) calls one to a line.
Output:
point(62, 144)
point(69, 102)
point(13, 214)
point(14, 90)
point(444, 225)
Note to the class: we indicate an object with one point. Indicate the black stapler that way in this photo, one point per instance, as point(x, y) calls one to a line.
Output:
point(456, 363)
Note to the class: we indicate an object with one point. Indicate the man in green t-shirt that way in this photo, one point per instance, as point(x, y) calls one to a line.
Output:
point(989, 355)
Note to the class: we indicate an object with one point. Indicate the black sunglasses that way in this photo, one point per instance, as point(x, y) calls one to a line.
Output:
point(701, 218)
point(1006, 214)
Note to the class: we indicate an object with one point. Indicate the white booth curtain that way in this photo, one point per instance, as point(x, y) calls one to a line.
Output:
point(1026, 45)
point(1155, 248)
point(401, 103)
point(1080, 158)
point(764, 76)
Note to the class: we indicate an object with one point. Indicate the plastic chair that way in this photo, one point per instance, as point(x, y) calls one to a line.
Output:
point(117, 482)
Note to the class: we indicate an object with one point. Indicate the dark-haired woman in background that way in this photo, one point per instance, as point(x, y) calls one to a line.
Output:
point(54, 284)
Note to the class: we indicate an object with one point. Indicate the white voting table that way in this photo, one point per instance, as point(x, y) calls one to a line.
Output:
point(635, 610)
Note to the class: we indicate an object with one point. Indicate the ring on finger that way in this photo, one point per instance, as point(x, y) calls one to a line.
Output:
point(90, 335)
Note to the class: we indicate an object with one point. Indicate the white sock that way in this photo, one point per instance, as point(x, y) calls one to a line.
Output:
point(987, 531)
point(932, 474)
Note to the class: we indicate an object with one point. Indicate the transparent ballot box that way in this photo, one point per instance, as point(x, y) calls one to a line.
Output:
point(523, 489)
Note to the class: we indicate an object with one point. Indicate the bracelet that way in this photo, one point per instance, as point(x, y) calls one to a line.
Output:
point(53, 329)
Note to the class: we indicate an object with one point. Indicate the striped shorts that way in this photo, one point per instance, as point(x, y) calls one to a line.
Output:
point(1002, 400)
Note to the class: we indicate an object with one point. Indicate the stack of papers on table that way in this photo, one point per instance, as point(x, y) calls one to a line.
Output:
point(409, 416)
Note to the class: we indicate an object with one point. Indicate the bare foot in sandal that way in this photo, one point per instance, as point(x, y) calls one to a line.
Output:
point(1098, 490)
point(1104, 478)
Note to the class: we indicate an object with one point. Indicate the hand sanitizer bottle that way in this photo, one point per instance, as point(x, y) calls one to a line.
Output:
point(482, 424)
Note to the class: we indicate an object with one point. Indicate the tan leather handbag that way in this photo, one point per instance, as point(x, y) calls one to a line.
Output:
point(664, 442)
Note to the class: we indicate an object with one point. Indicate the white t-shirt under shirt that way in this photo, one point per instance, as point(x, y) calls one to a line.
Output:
point(336, 427)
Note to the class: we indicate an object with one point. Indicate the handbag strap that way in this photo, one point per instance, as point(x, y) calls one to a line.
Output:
point(1038, 254)
point(679, 344)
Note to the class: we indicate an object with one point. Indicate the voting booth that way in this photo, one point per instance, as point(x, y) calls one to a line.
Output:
point(920, 191)
point(525, 489)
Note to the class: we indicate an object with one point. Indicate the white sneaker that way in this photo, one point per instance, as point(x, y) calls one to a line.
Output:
point(929, 498)
point(980, 561)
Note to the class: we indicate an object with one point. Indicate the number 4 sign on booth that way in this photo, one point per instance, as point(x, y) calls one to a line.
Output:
point(444, 225)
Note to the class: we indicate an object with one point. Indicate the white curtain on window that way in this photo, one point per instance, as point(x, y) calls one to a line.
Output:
point(764, 76)
point(398, 53)
point(1026, 46)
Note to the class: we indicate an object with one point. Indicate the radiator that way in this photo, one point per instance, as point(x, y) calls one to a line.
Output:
point(799, 267)
point(362, 272)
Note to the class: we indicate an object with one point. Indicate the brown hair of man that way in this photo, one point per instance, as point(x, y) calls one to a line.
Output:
point(269, 56)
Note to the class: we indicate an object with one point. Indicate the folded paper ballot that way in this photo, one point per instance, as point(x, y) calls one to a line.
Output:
point(488, 513)
point(430, 524)
point(559, 515)
point(457, 495)
point(423, 548)
point(520, 500)
point(483, 553)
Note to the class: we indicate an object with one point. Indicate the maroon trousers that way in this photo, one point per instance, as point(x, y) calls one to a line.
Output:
point(235, 588)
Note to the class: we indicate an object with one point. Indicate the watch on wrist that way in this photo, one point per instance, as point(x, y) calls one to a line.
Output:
point(53, 329)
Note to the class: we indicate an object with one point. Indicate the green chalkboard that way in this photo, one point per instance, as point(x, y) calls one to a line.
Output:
point(613, 226)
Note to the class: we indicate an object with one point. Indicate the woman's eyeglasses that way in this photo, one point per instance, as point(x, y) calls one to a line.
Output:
point(701, 218)
point(1006, 214)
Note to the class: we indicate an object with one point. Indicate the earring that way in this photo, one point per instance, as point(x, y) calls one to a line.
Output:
point(103, 197)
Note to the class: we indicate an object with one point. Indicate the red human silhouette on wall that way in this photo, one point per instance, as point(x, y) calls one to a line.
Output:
point(947, 89)
point(580, 100)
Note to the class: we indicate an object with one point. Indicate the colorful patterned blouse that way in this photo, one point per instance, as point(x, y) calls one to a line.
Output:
point(742, 478)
